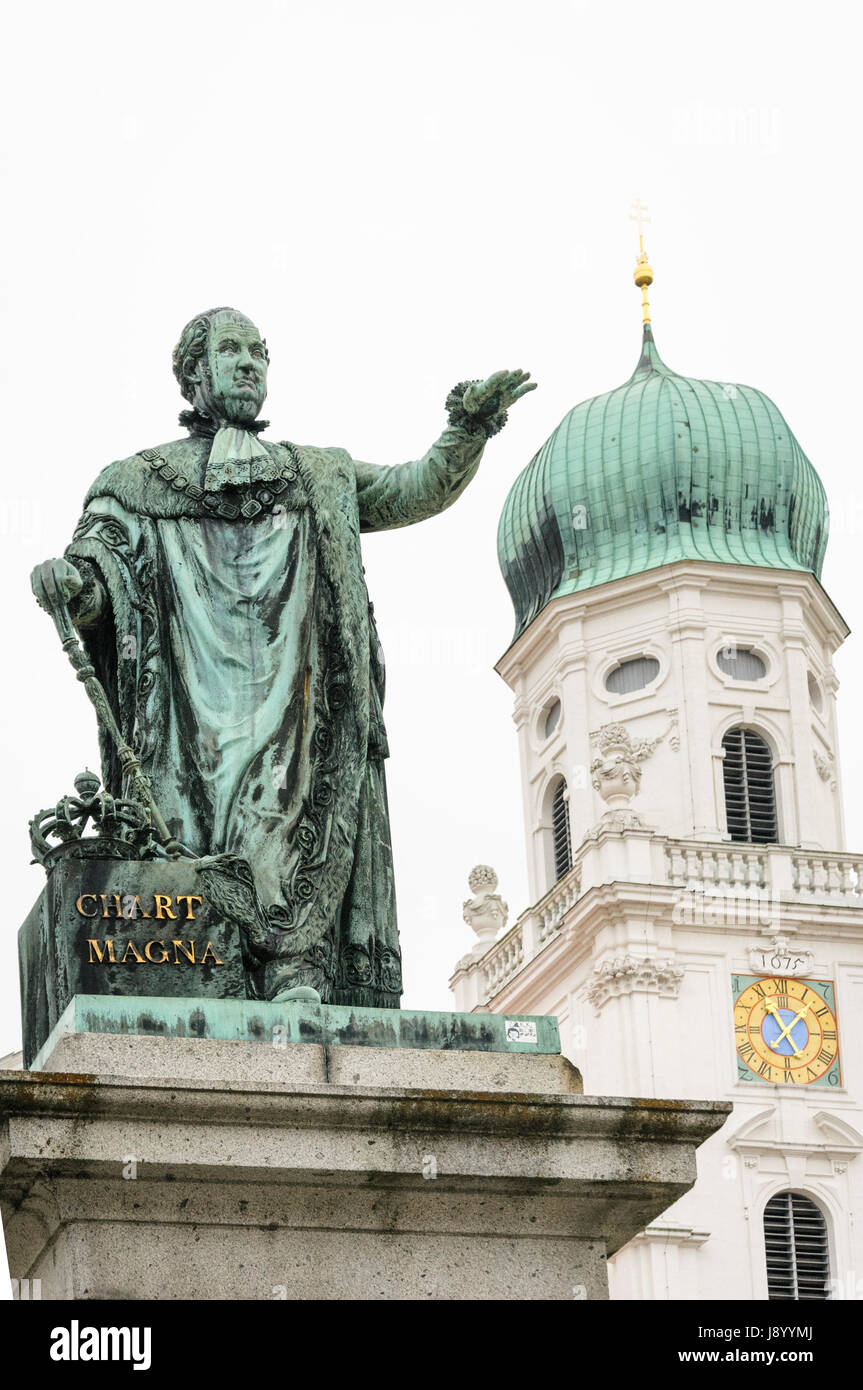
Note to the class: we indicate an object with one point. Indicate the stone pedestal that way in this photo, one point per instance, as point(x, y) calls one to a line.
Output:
point(123, 928)
point(200, 1168)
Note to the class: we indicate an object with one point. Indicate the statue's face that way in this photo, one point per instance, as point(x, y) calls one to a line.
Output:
point(237, 360)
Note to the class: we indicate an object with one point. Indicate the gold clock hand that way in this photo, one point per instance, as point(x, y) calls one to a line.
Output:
point(771, 1008)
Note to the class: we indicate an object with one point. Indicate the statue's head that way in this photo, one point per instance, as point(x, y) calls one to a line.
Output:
point(221, 364)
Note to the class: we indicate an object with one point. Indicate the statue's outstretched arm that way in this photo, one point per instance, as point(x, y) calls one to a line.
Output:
point(407, 492)
point(403, 493)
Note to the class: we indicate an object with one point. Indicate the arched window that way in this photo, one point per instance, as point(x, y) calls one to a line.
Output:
point(750, 797)
point(560, 831)
point(795, 1242)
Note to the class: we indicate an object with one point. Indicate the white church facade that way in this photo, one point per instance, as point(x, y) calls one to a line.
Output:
point(697, 925)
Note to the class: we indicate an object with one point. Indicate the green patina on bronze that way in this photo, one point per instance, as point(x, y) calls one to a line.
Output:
point(217, 585)
point(75, 940)
point(279, 1025)
point(664, 468)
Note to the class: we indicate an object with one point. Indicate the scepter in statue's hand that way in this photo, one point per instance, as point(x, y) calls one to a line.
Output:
point(54, 584)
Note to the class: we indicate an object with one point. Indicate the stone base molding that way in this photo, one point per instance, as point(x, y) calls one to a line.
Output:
point(174, 1185)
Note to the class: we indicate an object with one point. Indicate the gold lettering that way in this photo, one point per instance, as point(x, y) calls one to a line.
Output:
point(159, 959)
point(188, 899)
point(163, 906)
point(100, 950)
point(117, 904)
point(105, 912)
point(190, 955)
point(210, 951)
point(136, 953)
point(92, 896)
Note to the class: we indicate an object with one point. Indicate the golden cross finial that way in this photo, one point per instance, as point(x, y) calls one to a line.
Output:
point(643, 273)
point(639, 215)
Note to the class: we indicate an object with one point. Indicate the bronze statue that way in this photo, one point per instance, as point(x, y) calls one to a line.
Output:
point(217, 585)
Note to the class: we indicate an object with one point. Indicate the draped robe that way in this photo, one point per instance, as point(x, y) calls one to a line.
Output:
point(242, 660)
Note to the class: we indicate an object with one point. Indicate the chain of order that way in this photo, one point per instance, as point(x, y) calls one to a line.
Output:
point(259, 497)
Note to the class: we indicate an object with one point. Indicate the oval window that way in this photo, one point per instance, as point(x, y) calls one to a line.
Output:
point(815, 694)
point(632, 675)
point(741, 664)
point(552, 718)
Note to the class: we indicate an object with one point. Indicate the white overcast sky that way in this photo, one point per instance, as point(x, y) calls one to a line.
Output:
point(403, 195)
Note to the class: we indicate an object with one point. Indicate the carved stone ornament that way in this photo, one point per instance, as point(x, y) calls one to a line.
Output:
point(632, 975)
point(121, 829)
point(617, 820)
point(777, 956)
point(616, 770)
point(486, 911)
point(826, 767)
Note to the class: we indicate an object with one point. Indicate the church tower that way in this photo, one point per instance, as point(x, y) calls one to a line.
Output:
point(696, 922)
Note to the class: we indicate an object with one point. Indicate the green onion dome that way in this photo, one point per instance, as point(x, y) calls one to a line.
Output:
point(664, 468)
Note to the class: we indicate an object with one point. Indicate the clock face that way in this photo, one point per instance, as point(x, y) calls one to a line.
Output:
point(785, 1030)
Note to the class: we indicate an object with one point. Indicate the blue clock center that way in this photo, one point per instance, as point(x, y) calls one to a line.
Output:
point(772, 1029)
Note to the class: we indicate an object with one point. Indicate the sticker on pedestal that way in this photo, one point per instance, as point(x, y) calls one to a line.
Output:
point(519, 1031)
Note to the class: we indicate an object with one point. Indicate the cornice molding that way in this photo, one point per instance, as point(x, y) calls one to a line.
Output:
point(658, 1234)
point(802, 585)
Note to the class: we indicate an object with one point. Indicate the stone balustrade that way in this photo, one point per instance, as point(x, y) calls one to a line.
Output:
point(814, 874)
point(820, 875)
point(695, 865)
point(551, 910)
point(529, 934)
point(776, 871)
point(504, 959)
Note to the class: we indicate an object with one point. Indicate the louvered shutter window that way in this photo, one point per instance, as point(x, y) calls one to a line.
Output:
point(795, 1241)
point(560, 831)
point(750, 797)
point(741, 664)
point(632, 675)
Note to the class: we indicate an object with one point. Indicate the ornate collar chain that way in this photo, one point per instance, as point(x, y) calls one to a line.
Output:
point(230, 503)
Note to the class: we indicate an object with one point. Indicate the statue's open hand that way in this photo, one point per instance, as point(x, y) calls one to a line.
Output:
point(55, 581)
point(497, 393)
